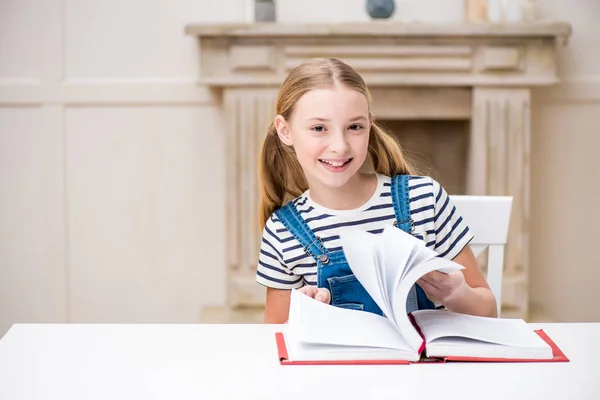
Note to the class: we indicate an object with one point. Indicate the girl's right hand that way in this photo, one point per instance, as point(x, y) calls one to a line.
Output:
point(319, 294)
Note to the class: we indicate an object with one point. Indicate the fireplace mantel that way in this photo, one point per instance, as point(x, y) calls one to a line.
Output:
point(381, 29)
point(476, 71)
point(384, 52)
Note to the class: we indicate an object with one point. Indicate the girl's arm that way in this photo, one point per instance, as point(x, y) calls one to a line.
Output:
point(478, 298)
point(277, 306)
point(464, 291)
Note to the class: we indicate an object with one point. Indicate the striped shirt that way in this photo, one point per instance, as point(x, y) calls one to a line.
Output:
point(282, 263)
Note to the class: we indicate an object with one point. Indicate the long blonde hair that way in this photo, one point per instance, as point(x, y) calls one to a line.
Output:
point(280, 176)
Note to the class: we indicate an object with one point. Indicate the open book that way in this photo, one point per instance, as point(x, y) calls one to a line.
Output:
point(388, 265)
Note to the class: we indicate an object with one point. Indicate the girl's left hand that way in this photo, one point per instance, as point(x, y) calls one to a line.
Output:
point(443, 288)
point(321, 294)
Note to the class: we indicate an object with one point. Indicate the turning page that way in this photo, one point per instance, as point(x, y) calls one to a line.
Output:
point(400, 259)
point(422, 262)
point(365, 255)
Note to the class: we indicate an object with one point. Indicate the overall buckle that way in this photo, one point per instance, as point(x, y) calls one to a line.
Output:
point(323, 258)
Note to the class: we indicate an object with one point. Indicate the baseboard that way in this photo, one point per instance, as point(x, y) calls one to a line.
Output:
point(230, 315)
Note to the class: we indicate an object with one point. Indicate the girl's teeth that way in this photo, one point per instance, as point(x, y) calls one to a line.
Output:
point(334, 164)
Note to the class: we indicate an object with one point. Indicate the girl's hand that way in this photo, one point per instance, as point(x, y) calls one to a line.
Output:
point(320, 294)
point(443, 288)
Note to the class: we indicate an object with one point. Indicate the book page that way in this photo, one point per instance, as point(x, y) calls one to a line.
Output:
point(315, 322)
point(365, 256)
point(402, 253)
point(437, 324)
point(387, 266)
point(417, 250)
point(399, 305)
point(395, 263)
point(399, 254)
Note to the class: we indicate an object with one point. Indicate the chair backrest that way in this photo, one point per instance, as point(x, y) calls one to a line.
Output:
point(488, 217)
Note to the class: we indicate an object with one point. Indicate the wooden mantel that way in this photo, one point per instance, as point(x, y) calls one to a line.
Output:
point(476, 71)
point(462, 54)
point(381, 29)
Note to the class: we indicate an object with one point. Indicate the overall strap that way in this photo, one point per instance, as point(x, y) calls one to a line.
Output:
point(401, 202)
point(295, 224)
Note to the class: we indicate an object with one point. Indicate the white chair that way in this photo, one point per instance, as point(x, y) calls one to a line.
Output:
point(488, 217)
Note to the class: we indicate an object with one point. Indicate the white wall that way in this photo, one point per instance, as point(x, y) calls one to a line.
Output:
point(565, 164)
point(294, 11)
point(111, 199)
point(110, 162)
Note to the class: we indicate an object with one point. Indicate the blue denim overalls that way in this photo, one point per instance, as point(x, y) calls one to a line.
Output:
point(333, 271)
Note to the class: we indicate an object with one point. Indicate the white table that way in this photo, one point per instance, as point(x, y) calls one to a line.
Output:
point(77, 362)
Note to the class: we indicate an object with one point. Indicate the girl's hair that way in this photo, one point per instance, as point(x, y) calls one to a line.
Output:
point(280, 176)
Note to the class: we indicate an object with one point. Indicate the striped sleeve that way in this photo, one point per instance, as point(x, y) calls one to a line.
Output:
point(271, 269)
point(451, 232)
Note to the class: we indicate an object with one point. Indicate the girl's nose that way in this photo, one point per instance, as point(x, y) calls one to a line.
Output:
point(338, 142)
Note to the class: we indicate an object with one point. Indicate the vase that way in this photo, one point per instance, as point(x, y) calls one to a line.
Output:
point(264, 11)
point(380, 9)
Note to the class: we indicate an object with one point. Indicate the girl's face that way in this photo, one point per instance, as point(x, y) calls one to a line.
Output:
point(329, 130)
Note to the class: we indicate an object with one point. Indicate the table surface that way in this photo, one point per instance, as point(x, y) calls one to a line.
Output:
point(197, 361)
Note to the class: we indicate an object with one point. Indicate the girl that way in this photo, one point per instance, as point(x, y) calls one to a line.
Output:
point(326, 165)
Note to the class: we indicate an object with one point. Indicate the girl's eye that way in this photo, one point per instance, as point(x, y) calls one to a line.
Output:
point(355, 127)
point(318, 128)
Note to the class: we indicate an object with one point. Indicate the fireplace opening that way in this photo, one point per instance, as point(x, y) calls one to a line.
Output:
point(438, 148)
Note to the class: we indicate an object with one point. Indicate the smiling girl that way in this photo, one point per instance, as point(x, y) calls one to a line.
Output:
point(325, 165)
